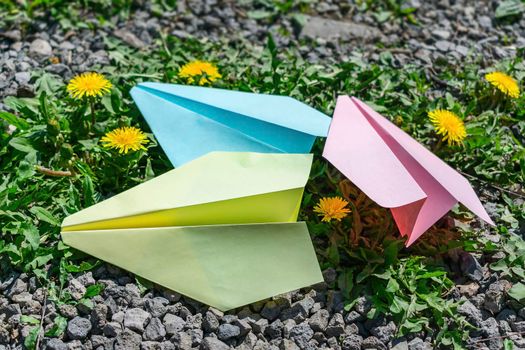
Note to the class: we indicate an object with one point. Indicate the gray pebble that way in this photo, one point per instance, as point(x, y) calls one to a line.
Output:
point(40, 47)
point(22, 77)
point(352, 342)
point(55, 344)
point(77, 345)
point(173, 324)
point(14, 35)
point(210, 322)
point(182, 340)
point(211, 343)
point(490, 329)
point(508, 315)
point(352, 317)
point(469, 265)
point(66, 45)
point(518, 326)
point(112, 306)
point(336, 326)
point(363, 305)
point(112, 329)
point(419, 344)
point(462, 50)
point(227, 331)
point(443, 45)
point(150, 345)
point(441, 34)
point(10, 310)
point(129, 38)
point(472, 313)
point(301, 334)
point(384, 333)
point(118, 317)
point(288, 344)
point(495, 296)
point(78, 328)
point(101, 341)
point(136, 319)
point(67, 310)
point(155, 330)
point(171, 296)
point(86, 279)
point(17, 287)
point(299, 311)
point(485, 22)
point(373, 343)
point(156, 306)
point(271, 310)
point(196, 336)
point(128, 340)
point(194, 321)
point(76, 289)
point(99, 315)
point(274, 330)
point(259, 326)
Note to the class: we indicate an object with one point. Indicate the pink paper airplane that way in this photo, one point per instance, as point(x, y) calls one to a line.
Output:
point(395, 170)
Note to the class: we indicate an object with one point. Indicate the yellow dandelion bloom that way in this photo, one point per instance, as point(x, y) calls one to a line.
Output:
point(448, 125)
point(88, 85)
point(125, 139)
point(207, 72)
point(504, 83)
point(332, 208)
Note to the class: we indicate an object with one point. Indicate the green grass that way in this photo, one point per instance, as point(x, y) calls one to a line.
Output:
point(54, 133)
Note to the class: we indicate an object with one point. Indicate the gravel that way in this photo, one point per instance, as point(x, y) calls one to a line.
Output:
point(122, 317)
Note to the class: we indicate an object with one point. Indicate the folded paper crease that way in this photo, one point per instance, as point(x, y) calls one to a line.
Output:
point(212, 188)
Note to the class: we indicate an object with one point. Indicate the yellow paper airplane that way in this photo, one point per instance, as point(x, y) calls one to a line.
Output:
point(220, 229)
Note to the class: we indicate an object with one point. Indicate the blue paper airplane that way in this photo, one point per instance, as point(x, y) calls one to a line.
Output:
point(191, 121)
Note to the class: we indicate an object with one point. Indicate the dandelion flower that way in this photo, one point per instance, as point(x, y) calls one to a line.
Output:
point(504, 83)
point(88, 84)
point(448, 125)
point(125, 139)
point(332, 208)
point(207, 72)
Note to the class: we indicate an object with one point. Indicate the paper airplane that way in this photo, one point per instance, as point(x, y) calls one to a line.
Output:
point(223, 266)
point(220, 229)
point(191, 121)
point(395, 170)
